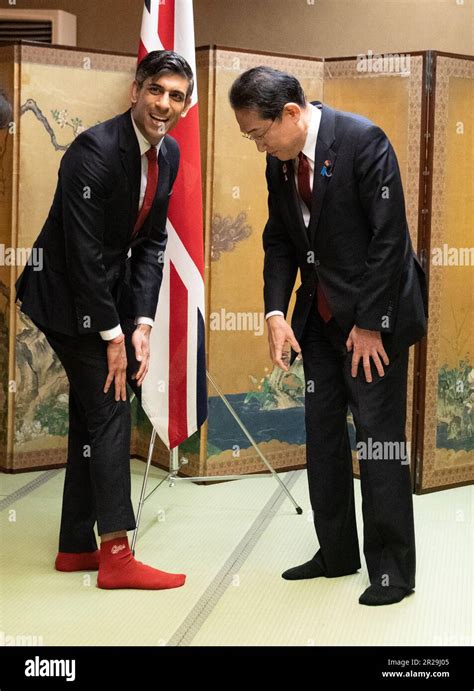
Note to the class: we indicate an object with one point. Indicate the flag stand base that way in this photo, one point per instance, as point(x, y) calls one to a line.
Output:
point(176, 464)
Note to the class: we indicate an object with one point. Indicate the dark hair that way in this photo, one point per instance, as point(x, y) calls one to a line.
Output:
point(159, 61)
point(267, 91)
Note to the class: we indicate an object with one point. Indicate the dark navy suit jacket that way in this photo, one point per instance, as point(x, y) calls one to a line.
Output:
point(357, 244)
point(87, 284)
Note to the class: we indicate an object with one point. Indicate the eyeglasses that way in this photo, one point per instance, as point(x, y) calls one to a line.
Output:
point(260, 137)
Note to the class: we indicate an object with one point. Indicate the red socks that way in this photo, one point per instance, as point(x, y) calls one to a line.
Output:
point(119, 569)
point(83, 561)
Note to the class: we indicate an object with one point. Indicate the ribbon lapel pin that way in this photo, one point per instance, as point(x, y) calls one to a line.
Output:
point(326, 169)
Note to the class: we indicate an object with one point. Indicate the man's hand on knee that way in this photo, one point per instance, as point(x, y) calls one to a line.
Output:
point(117, 363)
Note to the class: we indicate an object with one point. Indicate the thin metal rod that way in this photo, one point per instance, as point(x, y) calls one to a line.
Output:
point(204, 478)
point(252, 441)
point(174, 459)
point(213, 478)
point(144, 484)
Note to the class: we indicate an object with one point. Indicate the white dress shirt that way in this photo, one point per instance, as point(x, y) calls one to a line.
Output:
point(309, 150)
point(144, 145)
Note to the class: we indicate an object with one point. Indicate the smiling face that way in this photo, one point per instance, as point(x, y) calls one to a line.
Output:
point(283, 137)
point(158, 104)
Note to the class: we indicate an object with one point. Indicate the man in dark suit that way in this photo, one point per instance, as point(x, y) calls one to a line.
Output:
point(337, 213)
point(95, 300)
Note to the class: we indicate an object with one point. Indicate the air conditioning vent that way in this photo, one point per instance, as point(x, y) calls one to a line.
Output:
point(45, 26)
point(27, 30)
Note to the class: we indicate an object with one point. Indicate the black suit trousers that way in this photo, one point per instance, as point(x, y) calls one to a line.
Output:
point(379, 414)
point(97, 480)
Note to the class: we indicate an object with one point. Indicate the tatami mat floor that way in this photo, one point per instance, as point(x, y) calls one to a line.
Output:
point(232, 540)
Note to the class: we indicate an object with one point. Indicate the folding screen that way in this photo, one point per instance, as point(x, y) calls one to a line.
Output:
point(392, 97)
point(269, 402)
point(426, 109)
point(445, 448)
point(423, 100)
point(7, 208)
point(55, 94)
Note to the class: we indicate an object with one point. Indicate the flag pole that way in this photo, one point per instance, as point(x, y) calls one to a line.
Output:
point(171, 26)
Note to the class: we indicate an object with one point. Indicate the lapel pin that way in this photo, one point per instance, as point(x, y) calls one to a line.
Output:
point(326, 169)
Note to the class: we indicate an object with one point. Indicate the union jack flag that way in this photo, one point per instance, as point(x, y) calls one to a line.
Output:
point(174, 394)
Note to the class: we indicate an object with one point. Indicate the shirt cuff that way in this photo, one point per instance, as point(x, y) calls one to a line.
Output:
point(273, 313)
point(109, 334)
point(144, 320)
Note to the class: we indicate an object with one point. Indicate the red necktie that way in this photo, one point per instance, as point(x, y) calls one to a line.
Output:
point(304, 188)
point(151, 185)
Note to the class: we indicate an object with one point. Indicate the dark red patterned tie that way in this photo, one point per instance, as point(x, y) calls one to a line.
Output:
point(304, 188)
point(151, 185)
